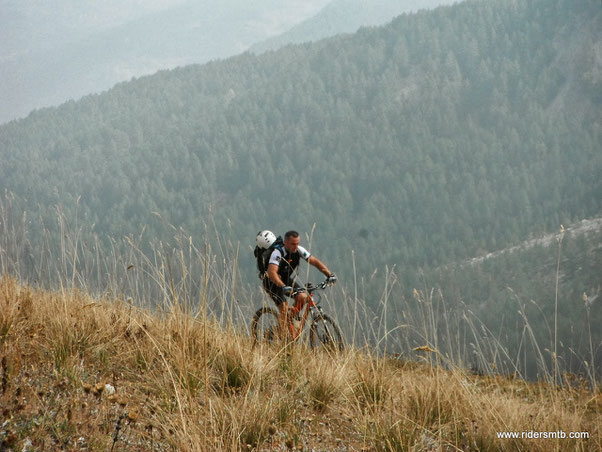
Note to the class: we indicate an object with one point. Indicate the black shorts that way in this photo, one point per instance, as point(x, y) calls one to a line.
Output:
point(277, 292)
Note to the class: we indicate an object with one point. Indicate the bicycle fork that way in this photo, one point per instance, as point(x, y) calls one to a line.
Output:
point(296, 325)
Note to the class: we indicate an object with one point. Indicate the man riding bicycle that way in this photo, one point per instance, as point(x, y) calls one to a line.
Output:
point(279, 279)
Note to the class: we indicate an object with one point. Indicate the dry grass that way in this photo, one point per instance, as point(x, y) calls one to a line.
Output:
point(184, 384)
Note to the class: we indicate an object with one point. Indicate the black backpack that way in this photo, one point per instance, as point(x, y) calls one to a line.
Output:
point(263, 255)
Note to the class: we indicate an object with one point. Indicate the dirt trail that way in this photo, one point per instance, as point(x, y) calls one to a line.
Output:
point(582, 227)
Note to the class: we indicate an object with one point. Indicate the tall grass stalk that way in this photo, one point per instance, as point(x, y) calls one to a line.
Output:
point(555, 355)
point(206, 282)
point(355, 299)
point(183, 372)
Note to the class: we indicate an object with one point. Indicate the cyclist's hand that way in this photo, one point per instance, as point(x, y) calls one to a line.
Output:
point(288, 291)
point(332, 278)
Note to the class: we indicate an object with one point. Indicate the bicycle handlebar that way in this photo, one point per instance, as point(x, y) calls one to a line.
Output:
point(310, 288)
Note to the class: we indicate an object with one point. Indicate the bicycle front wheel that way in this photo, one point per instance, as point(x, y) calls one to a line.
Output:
point(325, 333)
point(264, 326)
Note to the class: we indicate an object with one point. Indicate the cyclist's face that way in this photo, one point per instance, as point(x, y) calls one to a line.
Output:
point(291, 244)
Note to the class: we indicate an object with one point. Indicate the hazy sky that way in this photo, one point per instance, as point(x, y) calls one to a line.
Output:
point(55, 50)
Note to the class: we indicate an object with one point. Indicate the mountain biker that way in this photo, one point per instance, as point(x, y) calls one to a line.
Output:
point(279, 280)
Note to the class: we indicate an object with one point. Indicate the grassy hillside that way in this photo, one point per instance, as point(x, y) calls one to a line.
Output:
point(80, 373)
point(492, 314)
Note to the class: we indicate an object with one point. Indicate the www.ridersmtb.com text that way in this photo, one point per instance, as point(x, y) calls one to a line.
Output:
point(543, 435)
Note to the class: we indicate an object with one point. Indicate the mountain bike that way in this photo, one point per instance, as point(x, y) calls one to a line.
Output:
point(323, 331)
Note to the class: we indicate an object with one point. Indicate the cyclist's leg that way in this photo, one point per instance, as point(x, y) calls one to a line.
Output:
point(300, 300)
point(277, 295)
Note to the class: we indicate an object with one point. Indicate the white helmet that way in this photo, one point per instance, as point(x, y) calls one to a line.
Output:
point(265, 239)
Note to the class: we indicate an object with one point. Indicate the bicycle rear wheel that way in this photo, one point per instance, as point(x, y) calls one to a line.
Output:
point(325, 333)
point(264, 326)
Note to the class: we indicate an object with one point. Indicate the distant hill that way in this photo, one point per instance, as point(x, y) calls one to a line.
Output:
point(345, 16)
point(526, 285)
point(50, 54)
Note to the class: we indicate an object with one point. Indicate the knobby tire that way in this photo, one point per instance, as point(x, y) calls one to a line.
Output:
point(269, 334)
point(325, 332)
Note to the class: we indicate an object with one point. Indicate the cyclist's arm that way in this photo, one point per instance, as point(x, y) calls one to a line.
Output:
point(319, 265)
point(274, 276)
point(274, 266)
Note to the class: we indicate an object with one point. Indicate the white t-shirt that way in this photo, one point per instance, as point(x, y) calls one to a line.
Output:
point(277, 256)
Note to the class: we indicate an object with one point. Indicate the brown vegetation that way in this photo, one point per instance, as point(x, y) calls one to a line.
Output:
point(79, 373)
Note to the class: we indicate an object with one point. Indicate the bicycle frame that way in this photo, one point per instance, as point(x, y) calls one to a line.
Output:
point(309, 305)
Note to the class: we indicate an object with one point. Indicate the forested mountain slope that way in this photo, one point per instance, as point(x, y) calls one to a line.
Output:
point(442, 135)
